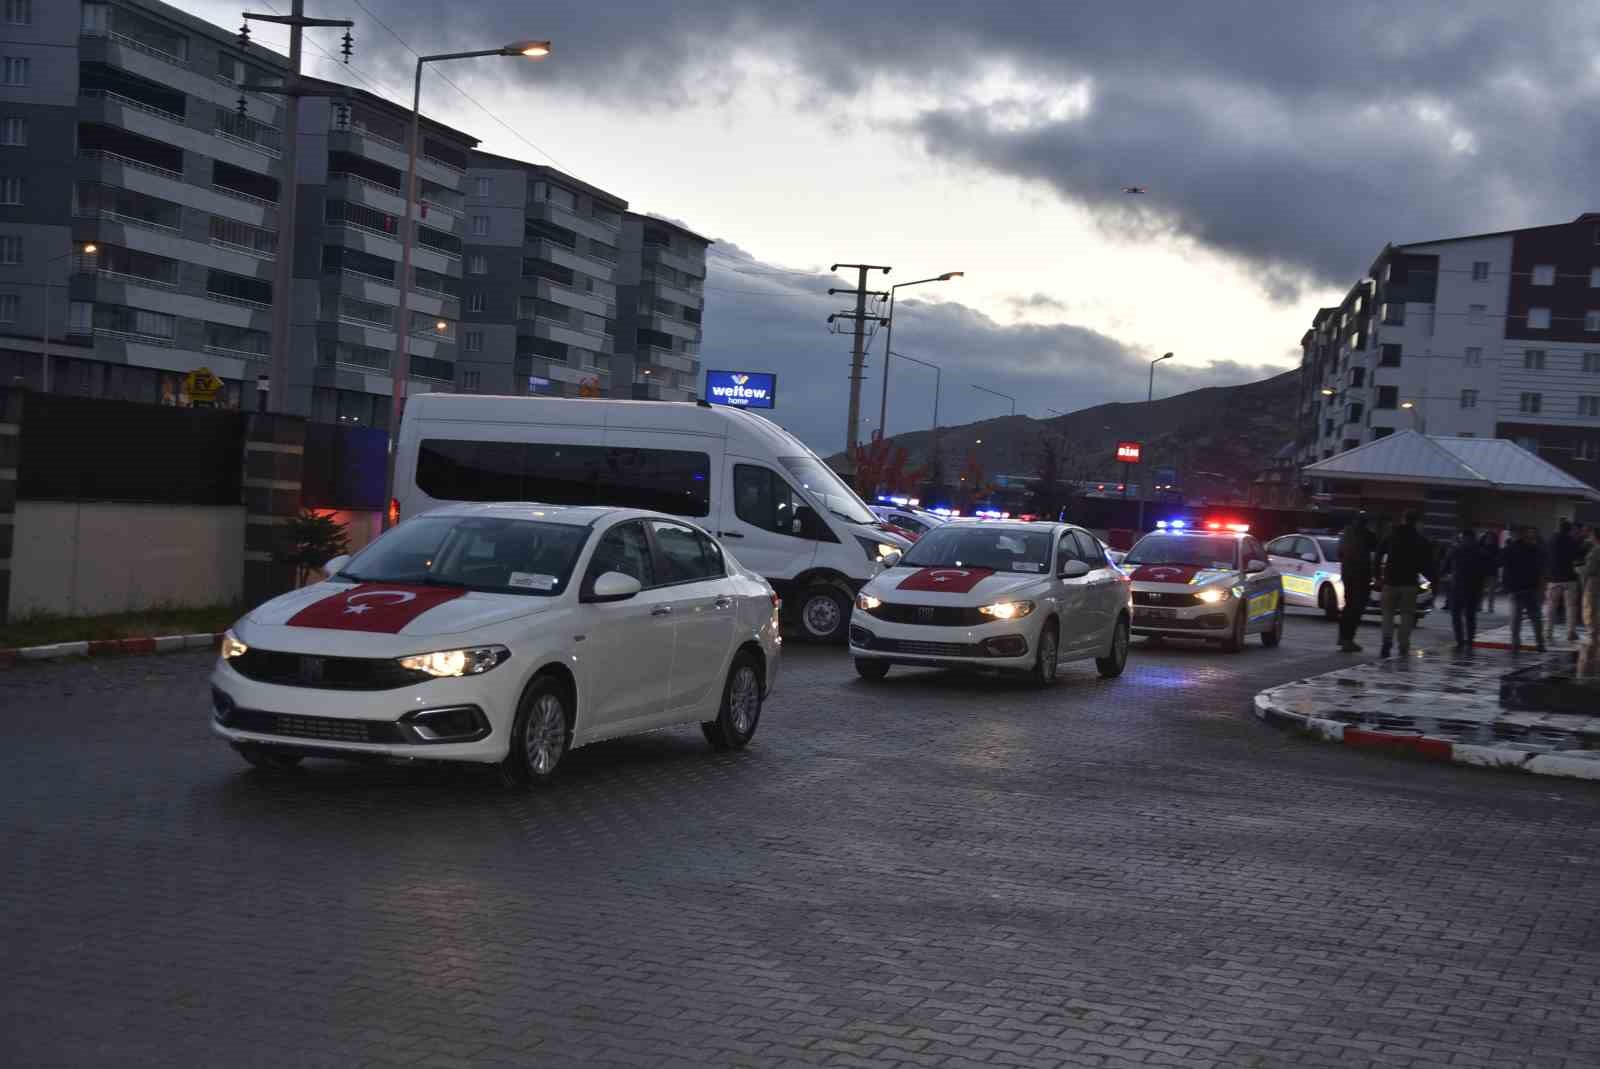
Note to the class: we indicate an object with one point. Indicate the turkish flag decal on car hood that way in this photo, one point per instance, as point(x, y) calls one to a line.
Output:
point(945, 580)
point(1164, 573)
point(381, 607)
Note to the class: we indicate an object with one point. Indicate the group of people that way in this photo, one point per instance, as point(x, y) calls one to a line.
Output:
point(1542, 580)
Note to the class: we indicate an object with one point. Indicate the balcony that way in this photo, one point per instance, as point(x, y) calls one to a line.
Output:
point(658, 254)
point(570, 258)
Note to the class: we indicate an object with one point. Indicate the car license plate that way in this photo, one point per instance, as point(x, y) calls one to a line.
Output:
point(1159, 614)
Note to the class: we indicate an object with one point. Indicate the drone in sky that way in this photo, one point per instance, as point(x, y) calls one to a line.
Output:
point(1134, 189)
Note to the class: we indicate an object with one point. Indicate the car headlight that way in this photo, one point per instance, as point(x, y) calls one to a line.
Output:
point(876, 550)
point(231, 646)
point(1423, 584)
point(468, 662)
point(1007, 610)
point(1212, 596)
point(866, 602)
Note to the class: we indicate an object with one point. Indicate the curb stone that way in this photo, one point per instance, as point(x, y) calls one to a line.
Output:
point(109, 647)
point(1520, 757)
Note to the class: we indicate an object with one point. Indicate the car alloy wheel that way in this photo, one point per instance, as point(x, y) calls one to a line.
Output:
point(740, 711)
point(1112, 666)
point(823, 615)
point(1274, 634)
point(546, 735)
point(1234, 643)
point(540, 734)
point(1044, 668)
point(1329, 602)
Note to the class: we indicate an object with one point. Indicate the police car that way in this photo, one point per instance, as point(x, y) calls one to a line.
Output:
point(1208, 581)
point(1312, 577)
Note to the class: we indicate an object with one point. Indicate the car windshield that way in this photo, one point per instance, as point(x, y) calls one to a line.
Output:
point(1330, 548)
point(1000, 549)
point(827, 489)
point(487, 553)
point(1195, 551)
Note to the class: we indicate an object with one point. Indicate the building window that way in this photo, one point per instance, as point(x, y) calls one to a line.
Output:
point(1538, 319)
point(14, 131)
point(1381, 432)
point(482, 187)
point(1530, 444)
point(1475, 312)
point(1544, 274)
point(10, 305)
point(1353, 412)
point(10, 191)
point(1358, 376)
point(16, 70)
point(1591, 322)
point(1533, 360)
point(1469, 398)
point(19, 12)
point(1388, 356)
point(1589, 406)
point(477, 264)
point(474, 341)
point(10, 249)
point(475, 301)
point(1394, 313)
point(1474, 356)
point(1388, 397)
point(1586, 449)
point(1591, 363)
point(1531, 403)
point(469, 379)
point(480, 226)
point(1480, 270)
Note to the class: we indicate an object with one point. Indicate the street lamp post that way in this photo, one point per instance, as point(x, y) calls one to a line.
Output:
point(400, 364)
point(888, 343)
point(1013, 401)
point(1149, 399)
point(88, 249)
point(938, 374)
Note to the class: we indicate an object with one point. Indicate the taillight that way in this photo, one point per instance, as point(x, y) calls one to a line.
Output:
point(394, 511)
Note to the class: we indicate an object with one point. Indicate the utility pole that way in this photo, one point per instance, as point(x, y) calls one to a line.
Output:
point(858, 352)
point(283, 269)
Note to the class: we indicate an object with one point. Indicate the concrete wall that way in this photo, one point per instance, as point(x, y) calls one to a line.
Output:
point(93, 558)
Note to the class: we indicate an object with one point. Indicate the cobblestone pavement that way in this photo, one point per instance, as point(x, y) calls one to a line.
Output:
point(934, 871)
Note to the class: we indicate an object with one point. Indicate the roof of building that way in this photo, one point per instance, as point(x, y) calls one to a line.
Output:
point(1485, 463)
point(490, 159)
point(1586, 217)
point(355, 93)
point(674, 224)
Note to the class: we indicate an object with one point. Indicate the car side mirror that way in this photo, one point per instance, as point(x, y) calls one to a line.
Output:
point(614, 586)
point(1309, 558)
point(1074, 569)
point(336, 565)
point(1255, 566)
point(891, 558)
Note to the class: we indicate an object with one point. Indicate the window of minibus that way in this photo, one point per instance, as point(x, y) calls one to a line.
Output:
point(664, 480)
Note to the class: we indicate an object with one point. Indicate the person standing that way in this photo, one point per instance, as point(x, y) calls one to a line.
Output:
point(1562, 590)
point(1356, 545)
point(1469, 566)
point(1523, 563)
point(1589, 575)
point(1490, 545)
point(1406, 555)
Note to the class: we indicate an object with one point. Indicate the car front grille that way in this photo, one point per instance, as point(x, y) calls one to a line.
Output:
point(926, 649)
point(327, 673)
point(930, 615)
point(1209, 622)
point(1164, 599)
point(326, 728)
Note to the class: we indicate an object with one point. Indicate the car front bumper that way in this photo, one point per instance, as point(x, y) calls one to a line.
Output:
point(1002, 644)
point(1187, 621)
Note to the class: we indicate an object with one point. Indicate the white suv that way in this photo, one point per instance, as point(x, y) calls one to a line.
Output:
point(996, 594)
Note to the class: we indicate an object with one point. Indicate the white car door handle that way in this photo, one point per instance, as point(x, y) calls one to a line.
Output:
point(661, 610)
point(723, 603)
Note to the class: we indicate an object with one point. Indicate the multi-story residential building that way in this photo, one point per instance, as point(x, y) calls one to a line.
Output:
point(120, 131)
point(349, 207)
point(661, 294)
point(540, 292)
point(1491, 335)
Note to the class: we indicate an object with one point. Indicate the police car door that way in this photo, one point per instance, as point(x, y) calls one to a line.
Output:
point(1263, 589)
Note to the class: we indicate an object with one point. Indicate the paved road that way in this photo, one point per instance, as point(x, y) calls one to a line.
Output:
point(935, 871)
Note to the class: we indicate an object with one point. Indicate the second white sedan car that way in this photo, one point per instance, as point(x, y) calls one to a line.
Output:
point(1313, 577)
point(995, 594)
point(1214, 584)
point(504, 634)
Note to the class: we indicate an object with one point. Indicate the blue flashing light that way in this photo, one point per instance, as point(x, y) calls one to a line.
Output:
point(1162, 525)
point(1178, 524)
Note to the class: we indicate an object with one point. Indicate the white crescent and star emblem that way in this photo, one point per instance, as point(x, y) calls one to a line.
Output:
point(945, 576)
point(400, 597)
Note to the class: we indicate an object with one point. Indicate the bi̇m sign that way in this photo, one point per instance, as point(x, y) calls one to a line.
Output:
point(741, 389)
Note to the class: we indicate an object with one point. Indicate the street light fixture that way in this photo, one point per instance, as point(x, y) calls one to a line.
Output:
point(400, 364)
point(1149, 399)
point(888, 342)
point(88, 248)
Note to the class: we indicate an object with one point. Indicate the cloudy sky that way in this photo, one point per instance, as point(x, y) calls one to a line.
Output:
point(1282, 144)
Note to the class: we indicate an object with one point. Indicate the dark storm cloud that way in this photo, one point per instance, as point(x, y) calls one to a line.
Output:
point(1287, 136)
point(762, 318)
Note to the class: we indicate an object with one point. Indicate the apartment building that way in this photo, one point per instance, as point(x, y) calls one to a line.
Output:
point(542, 262)
point(1489, 336)
point(661, 295)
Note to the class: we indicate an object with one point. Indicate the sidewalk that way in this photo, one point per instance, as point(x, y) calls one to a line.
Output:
point(1443, 705)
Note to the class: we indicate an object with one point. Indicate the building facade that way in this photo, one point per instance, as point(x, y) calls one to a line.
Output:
point(1487, 336)
point(661, 296)
point(542, 259)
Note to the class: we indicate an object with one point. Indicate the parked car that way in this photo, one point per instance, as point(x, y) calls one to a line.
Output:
point(914, 522)
point(995, 594)
point(1313, 578)
point(749, 481)
point(506, 634)
point(1214, 584)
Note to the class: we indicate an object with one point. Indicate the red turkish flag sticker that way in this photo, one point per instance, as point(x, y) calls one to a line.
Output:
point(945, 580)
point(384, 608)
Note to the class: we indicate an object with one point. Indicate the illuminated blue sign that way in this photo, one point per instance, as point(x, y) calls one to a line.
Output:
point(741, 389)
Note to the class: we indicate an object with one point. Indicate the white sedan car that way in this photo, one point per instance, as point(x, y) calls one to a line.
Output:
point(995, 594)
point(1209, 584)
point(1313, 577)
point(505, 634)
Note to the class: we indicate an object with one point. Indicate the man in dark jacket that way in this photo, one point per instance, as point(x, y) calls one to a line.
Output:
point(1356, 546)
point(1469, 567)
point(1523, 569)
point(1406, 555)
point(1566, 553)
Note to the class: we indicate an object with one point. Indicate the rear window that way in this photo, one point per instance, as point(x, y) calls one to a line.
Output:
point(1330, 548)
point(663, 480)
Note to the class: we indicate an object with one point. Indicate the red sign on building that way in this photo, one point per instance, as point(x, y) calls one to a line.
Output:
point(1128, 452)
